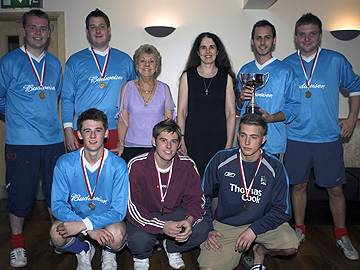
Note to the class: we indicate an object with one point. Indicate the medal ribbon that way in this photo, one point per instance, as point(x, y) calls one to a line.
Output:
point(162, 193)
point(247, 190)
point(101, 70)
point(86, 179)
point(39, 79)
point(308, 80)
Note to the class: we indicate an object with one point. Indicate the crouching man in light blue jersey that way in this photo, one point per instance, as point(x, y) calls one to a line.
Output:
point(30, 85)
point(93, 78)
point(313, 137)
point(278, 98)
point(89, 196)
point(253, 202)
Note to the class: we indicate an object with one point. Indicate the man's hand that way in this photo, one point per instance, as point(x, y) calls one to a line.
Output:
point(347, 127)
point(171, 228)
point(102, 236)
point(212, 241)
point(266, 116)
point(185, 230)
point(246, 93)
point(183, 149)
point(67, 229)
point(71, 141)
point(245, 239)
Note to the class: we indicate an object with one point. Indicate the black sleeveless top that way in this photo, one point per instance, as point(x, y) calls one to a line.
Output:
point(205, 125)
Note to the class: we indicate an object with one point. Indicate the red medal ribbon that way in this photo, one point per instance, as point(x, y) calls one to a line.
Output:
point(247, 190)
point(103, 70)
point(39, 79)
point(308, 80)
point(86, 179)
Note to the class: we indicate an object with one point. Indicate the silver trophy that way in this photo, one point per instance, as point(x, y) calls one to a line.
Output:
point(255, 81)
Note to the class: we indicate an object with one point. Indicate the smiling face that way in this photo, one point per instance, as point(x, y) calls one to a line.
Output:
point(308, 38)
point(207, 51)
point(36, 33)
point(93, 134)
point(166, 145)
point(251, 137)
point(263, 42)
point(98, 33)
point(146, 65)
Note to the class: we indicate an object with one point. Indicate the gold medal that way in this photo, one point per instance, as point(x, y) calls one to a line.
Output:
point(102, 85)
point(42, 95)
point(307, 94)
point(92, 206)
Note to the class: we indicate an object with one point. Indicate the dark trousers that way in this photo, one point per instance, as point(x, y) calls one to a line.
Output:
point(141, 243)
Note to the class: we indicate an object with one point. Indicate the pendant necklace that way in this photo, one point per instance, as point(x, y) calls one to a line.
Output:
point(207, 87)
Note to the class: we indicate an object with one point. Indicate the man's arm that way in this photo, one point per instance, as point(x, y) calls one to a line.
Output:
point(280, 210)
point(137, 212)
point(3, 86)
point(348, 124)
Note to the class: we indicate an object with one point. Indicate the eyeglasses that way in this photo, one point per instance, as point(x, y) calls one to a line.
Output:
point(37, 28)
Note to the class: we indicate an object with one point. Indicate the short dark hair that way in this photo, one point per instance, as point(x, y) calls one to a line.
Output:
point(308, 18)
point(92, 114)
point(35, 12)
point(168, 125)
point(255, 120)
point(97, 13)
point(263, 23)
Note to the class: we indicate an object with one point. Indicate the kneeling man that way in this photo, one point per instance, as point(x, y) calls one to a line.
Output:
point(253, 202)
point(165, 201)
point(89, 196)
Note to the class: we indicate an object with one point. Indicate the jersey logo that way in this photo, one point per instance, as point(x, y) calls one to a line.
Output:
point(263, 180)
point(230, 174)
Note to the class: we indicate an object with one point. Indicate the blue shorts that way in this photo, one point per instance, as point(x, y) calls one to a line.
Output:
point(326, 159)
point(25, 165)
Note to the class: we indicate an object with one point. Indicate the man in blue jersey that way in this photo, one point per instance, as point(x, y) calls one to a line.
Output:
point(277, 99)
point(253, 202)
point(30, 84)
point(313, 137)
point(89, 196)
point(93, 79)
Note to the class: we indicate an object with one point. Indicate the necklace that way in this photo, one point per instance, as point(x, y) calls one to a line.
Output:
point(207, 86)
point(146, 94)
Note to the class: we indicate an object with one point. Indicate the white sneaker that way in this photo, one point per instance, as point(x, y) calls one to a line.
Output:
point(18, 257)
point(175, 259)
point(141, 264)
point(347, 248)
point(108, 260)
point(84, 258)
point(300, 235)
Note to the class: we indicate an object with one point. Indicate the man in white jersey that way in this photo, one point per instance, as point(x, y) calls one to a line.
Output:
point(93, 79)
point(30, 85)
point(313, 138)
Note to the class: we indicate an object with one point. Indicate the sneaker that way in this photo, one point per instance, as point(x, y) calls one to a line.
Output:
point(84, 258)
point(18, 257)
point(108, 260)
point(300, 235)
point(175, 259)
point(141, 264)
point(347, 248)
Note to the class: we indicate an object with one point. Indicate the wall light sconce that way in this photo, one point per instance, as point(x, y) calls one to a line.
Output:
point(345, 34)
point(159, 31)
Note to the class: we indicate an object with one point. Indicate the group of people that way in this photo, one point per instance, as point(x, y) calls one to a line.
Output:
point(114, 106)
